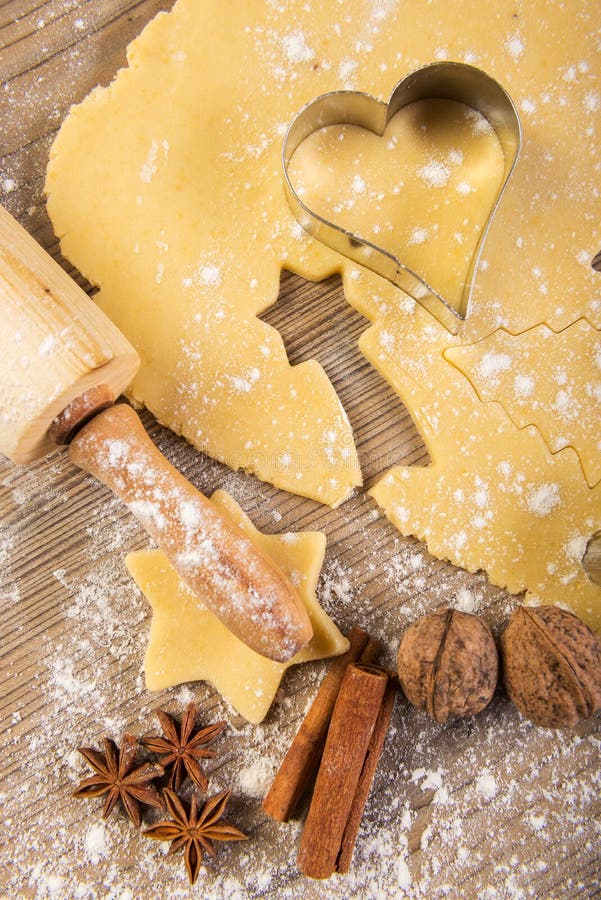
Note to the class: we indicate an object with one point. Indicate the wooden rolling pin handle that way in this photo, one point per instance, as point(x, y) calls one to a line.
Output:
point(233, 577)
point(79, 412)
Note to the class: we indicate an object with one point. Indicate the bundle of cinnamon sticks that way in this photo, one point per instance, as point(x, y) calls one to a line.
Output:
point(338, 747)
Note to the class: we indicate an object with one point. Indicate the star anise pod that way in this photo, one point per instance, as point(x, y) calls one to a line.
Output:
point(194, 830)
point(181, 746)
point(119, 780)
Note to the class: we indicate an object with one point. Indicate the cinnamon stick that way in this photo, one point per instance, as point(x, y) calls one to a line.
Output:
point(353, 720)
point(374, 751)
point(370, 652)
point(302, 759)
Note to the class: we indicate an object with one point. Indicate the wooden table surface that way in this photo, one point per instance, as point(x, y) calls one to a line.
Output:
point(489, 808)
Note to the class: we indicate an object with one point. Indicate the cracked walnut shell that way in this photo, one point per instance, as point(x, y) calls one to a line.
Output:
point(448, 664)
point(552, 666)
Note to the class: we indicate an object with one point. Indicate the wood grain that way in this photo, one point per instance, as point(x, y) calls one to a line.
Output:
point(490, 807)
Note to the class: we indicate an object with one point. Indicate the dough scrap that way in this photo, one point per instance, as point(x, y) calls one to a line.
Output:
point(545, 379)
point(188, 643)
point(190, 230)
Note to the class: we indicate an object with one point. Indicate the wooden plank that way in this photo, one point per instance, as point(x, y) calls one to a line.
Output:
point(485, 808)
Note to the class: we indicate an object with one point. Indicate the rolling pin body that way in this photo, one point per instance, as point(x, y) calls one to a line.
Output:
point(55, 344)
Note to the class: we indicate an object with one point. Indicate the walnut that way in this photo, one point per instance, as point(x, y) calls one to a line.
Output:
point(448, 664)
point(552, 666)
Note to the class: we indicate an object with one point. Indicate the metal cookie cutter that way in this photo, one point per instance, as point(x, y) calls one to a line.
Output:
point(445, 80)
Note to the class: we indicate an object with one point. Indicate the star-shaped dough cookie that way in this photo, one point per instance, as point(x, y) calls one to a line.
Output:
point(188, 643)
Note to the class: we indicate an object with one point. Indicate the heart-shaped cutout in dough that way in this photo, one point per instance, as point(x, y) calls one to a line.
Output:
point(409, 188)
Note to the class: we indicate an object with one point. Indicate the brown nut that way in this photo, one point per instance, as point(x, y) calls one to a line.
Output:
point(448, 664)
point(552, 666)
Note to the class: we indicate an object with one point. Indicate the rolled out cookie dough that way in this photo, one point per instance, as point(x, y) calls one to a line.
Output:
point(188, 643)
point(190, 230)
point(492, 492)
point(545, 379)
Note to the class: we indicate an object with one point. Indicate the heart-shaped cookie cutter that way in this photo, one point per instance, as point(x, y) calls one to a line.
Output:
point(448, 81)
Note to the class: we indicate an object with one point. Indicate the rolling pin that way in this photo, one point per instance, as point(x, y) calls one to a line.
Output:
point(64, 364)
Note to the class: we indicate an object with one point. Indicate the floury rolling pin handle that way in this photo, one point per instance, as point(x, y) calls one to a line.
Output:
point(241, 585)
point(65, 362)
